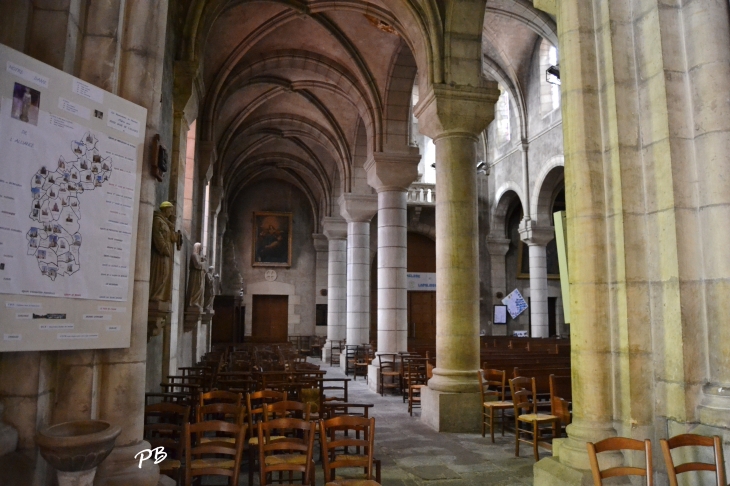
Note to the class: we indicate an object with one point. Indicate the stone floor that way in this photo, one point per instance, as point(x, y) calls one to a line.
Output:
point(413, 454)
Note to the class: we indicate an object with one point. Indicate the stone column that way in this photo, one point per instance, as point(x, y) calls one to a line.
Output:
point(390, 174)
point(537, 239)
point(358, 210)
point(321, 247)
point(498, 248)
point(122, 371)
point(453, 117)
point(335, 229)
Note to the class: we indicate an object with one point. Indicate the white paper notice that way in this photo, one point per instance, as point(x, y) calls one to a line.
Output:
point(27, 74)
point(106, 308)
point(22, 305)
point(56, 327)
point(123, 123)
point(73, 108)
point(97, 317)
point(12, 337)
point(88, 91)
point(66, 209)
point(515, 303)
point(78, 335)
point(113, 328)
point(24, 315)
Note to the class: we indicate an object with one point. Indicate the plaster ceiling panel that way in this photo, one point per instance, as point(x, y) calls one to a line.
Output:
point(230, 28)
point(376, 46)
point(290, 104)
point(513, 40)
point(304, 34)
point(238, 102)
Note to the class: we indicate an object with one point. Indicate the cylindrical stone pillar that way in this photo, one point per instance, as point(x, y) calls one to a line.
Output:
point(498, 248)
point(538, 291)
point(457, 265)
point(358, 210)
point(358, 282)
point(335, 229)
point(392, 259)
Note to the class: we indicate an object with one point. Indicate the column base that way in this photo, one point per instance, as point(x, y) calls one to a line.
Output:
point(326, 353)
point(714, 408)
point(343, 362)
point(121, 468)
point(374, 378)
point(451, 412)
point(551, 472)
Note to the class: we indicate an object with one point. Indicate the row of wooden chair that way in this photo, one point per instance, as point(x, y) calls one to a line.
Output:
point(530, 424)
point(613, 444)
point(228, 420)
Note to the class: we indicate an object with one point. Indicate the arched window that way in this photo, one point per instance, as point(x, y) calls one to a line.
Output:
point(549, 92)
point(502, 116)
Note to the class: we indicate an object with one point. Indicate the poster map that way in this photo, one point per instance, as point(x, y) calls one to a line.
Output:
point(70, 176)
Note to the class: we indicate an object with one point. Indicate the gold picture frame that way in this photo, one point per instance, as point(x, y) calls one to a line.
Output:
point(271, 240)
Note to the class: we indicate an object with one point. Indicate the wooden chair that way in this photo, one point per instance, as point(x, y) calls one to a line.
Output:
point(688, 440)
point(336, 451)
point(204, 459)
point(493, 379)
point(618, 444)
point(362, 361)
point(523, 399)
point(163, 427)
point(414, 379)
point(388, 370)
point(286, 445)
point(560, 400)
point(256, 406)
point(335, 350)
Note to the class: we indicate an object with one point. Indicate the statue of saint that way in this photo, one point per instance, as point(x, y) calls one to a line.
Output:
point(196, 279)
point(210, 289)
point(164, 239)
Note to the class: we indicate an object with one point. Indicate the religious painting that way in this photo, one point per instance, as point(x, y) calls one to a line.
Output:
point(272, 239)
point(551, 255)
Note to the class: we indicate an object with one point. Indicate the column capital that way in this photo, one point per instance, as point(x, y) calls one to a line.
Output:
point(334, 228)
point(392, 171)
point(358, 208)
point(207, 155)
point(497, 246)
point(532, 234)
point(456, 110)
point(320, 242)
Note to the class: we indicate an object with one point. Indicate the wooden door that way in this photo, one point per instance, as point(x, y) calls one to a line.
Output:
point(552, 316)
point(226, 319)
point(270, 319)
point(422, 317)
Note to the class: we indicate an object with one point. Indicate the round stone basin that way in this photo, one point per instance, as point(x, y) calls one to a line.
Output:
point(77, 446)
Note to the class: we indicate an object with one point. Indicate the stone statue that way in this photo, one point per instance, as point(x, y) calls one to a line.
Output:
point(210, 289)
point(196, 279)
point(164, 239)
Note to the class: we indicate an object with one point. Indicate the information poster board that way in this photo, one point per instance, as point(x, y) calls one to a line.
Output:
point(70, 173)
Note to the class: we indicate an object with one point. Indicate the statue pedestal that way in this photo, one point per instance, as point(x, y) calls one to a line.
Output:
point(158, 315)
point(193, 323)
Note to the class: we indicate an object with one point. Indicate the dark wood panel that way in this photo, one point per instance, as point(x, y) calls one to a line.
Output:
point(270, 319)
point(422, 317)
point(227, 319)
point(421, 254)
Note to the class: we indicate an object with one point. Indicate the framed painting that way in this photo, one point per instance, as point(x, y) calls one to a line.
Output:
point(272, 239)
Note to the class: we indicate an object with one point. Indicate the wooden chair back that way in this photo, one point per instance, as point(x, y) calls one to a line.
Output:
point(164, 426)
point(256, 406)
point(618, 444)
point(522, 389)
point(687, 440)
point(227, 412)
point(287, 409)
point(492, 384)
point(213, 458)
point(355, 432)
point(560, 398)
point(294, 439)
point(221, 396)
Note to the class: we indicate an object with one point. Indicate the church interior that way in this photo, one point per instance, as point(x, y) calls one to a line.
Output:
point(359, 181)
